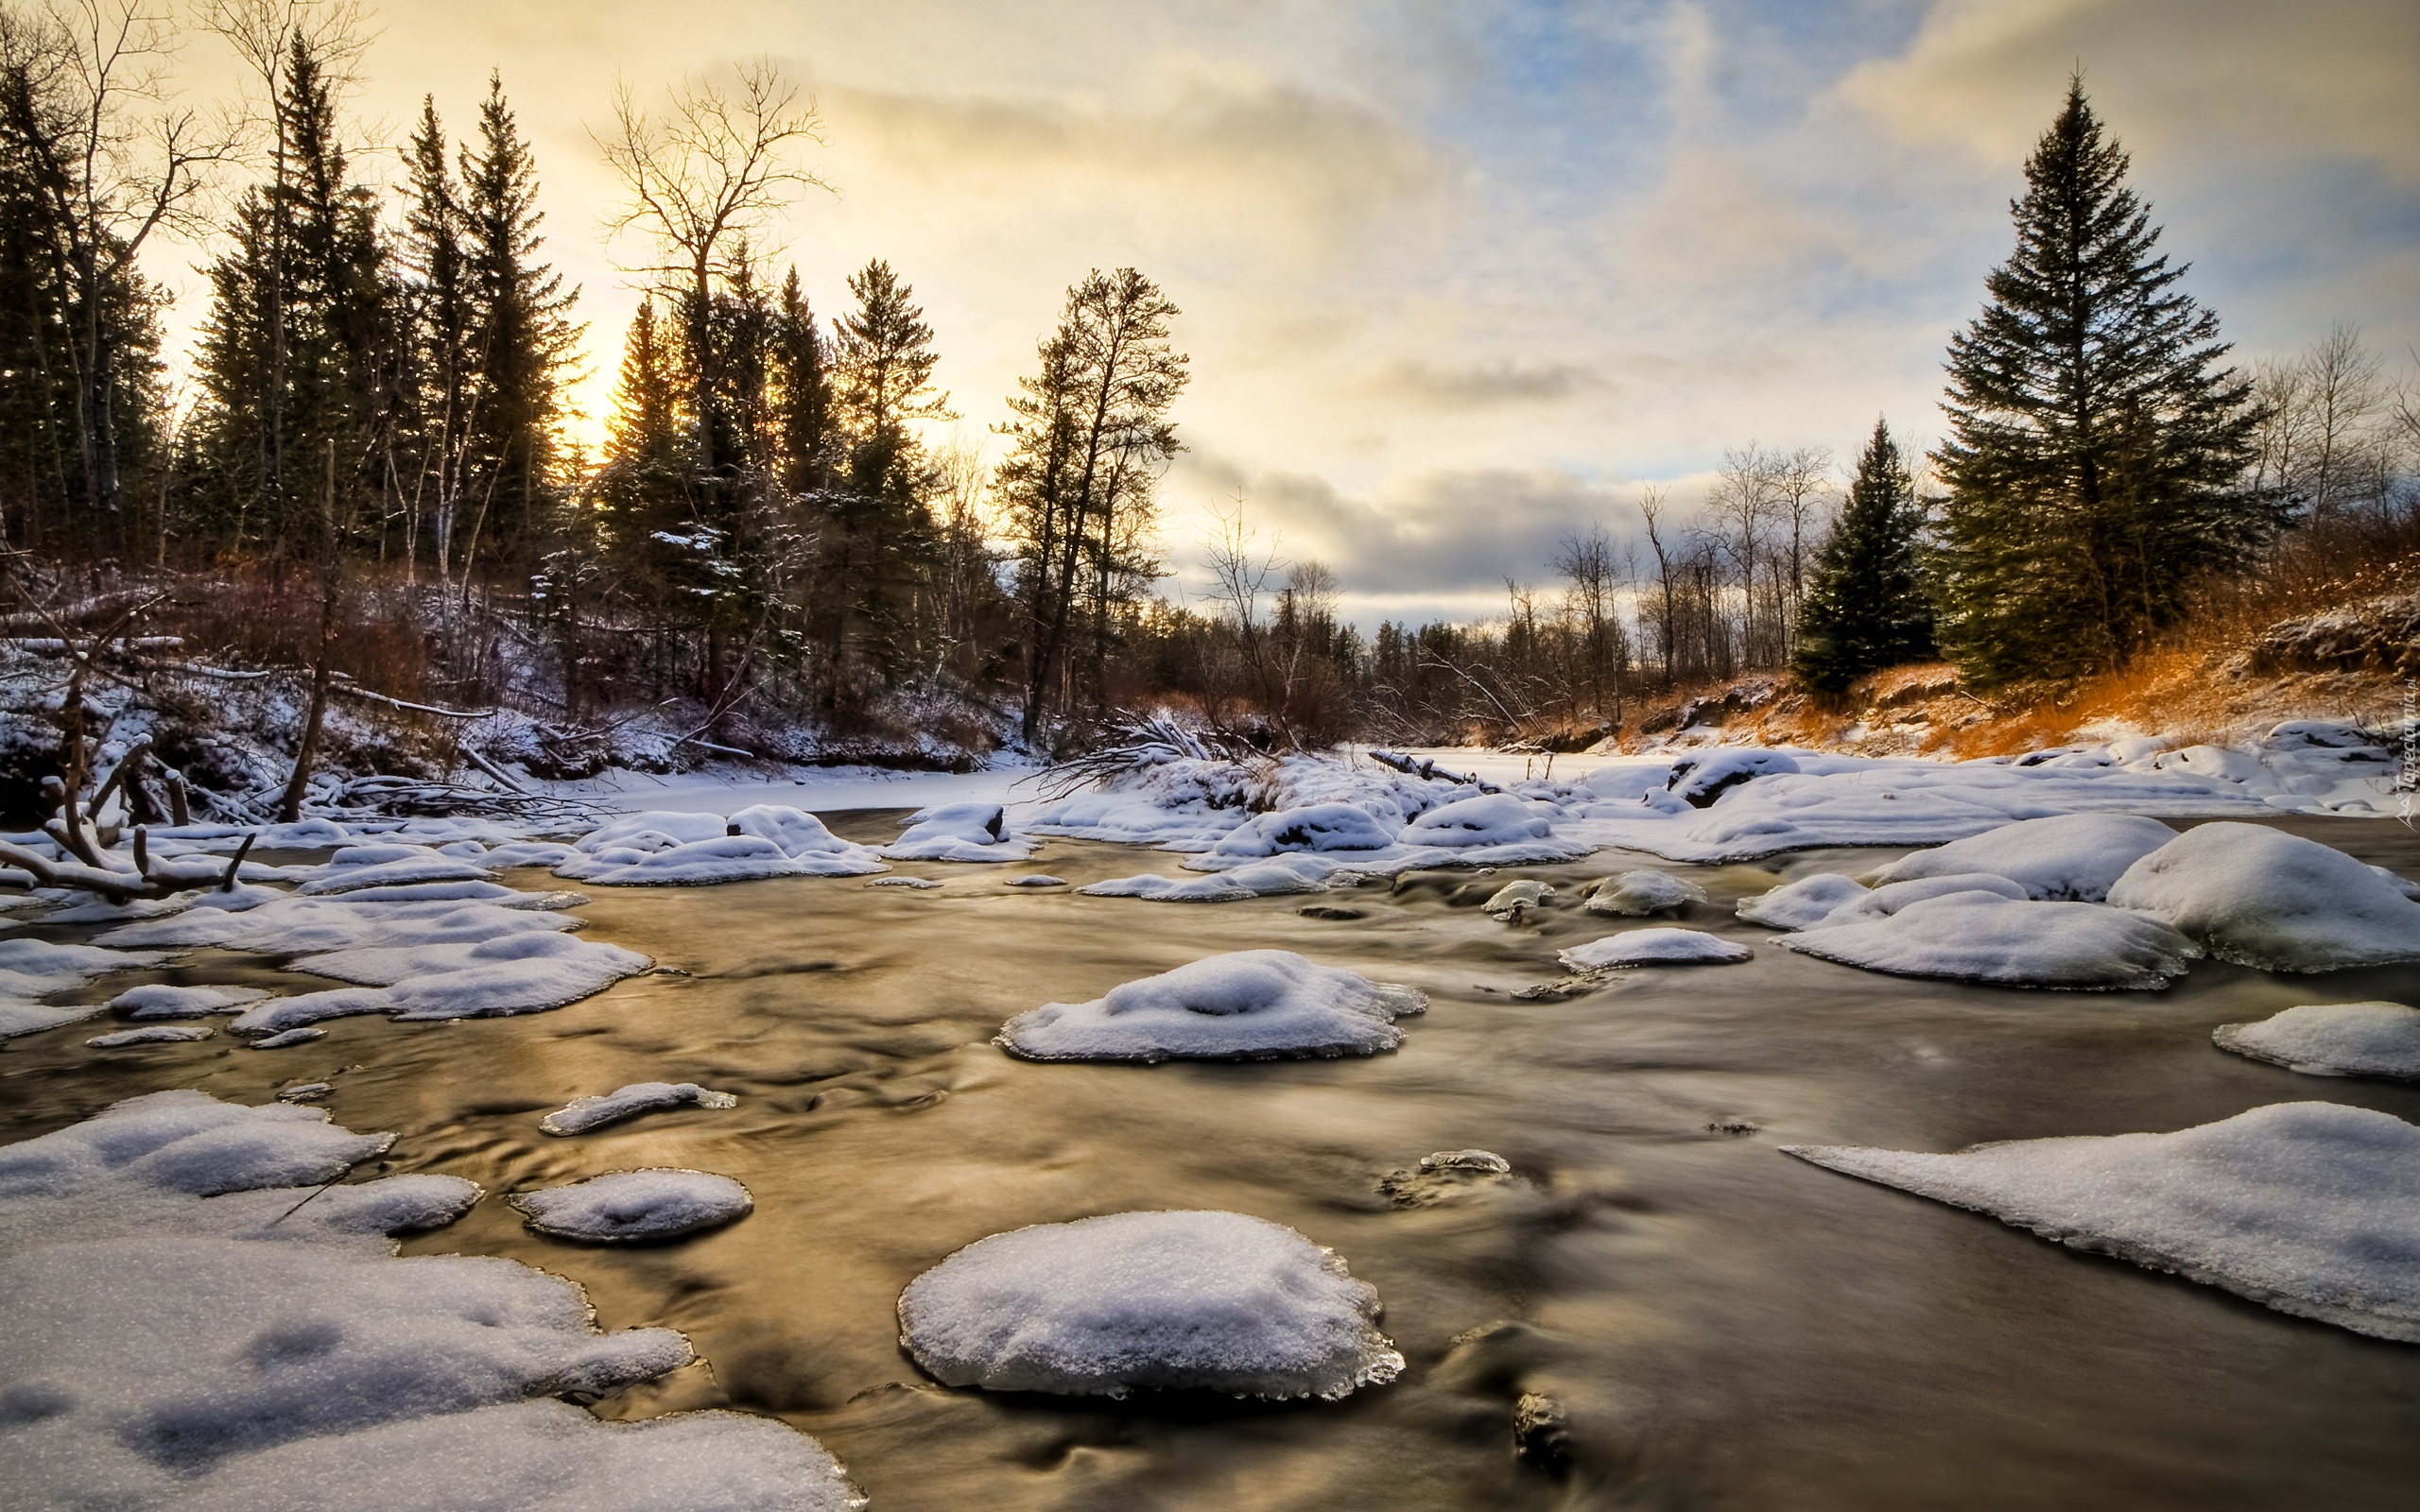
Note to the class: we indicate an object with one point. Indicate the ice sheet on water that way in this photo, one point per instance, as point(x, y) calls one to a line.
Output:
point(1249, 1004)
point(2333, 1039)
point(1637, 894)
point(2262, 897)
point(2309, 1207)
point(2067, 856)
point(265, 1349)
point(584, 1114)
point(31, 969)
point(1979, 935)
point(505, 974)
point(483, 892)
point(389, 866)
point(1216, 1302)
point(161, 1001)
point(150, 1033)
point(289, 926)
point(1658, 946)
point(1276, 877)
point(635, 1207)
point(976, 832)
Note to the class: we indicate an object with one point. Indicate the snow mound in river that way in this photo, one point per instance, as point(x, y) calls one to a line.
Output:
point(258, 1351)
point(660, 848)
point(1215, 1302)
point(389, 866)
point(160, 1000)
point(1276, 877)
point(2074, 856)
point(1251, 1005)
point(959, 831)
point(1637, 894)
point(2333, 1039)
point(635, 1207)
point(2309, 1207)
point(150, 1033)
point(1828, 899)
point(2266, 899)
point(1978, 936)
point(1311, 827)
point(1661, 946)
point(519, 972)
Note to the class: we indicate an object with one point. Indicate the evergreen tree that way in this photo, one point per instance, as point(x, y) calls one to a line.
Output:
point(881, 539)
point(642, 487)
point(525, 336)
point(1865, 605)
point(2097, 446)
point(444, 360)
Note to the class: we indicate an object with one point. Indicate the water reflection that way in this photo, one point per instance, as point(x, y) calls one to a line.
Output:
point(1725, 1327)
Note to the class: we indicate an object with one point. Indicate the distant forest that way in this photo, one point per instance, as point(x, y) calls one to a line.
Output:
point(368, 471)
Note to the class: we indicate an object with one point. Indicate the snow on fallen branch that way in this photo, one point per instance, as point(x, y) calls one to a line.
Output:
point(1429, 771)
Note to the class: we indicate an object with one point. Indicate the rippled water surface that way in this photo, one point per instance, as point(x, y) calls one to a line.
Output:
point(1726, 1327)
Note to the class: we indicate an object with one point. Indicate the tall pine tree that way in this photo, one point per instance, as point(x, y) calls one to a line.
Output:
point(2098, 446)
point(1865, 605)
point(880, 537)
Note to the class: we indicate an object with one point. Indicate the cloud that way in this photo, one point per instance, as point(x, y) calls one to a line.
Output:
point(1479, 385)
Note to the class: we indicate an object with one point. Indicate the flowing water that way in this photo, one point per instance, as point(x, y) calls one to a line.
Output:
point(1724, 1326)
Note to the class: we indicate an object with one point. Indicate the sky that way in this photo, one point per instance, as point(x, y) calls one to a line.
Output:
point(1459, 278)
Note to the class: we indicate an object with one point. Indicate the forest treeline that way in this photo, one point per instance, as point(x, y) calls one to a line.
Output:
point(369, 464)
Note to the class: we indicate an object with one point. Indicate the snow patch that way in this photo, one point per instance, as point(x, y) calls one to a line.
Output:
point(2333, 1039)
point(1660, 946)
point(1979, 936)
point(2262, 897)
point(635, 1207)
point(2069, 856)
point(1249, 1004)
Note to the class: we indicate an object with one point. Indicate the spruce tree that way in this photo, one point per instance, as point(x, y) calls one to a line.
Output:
point(883, 537)
point(2097, 446)
point(1865, 605)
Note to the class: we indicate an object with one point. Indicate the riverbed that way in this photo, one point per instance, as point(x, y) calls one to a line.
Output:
point(1723, 1326)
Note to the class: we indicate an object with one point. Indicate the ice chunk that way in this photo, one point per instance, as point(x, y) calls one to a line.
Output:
point(959, 831)
point(1637, 894)
point(918, 883)
point(1516, 899)
point(2075, 856)
point(1251, 1005)
point(1487, 1161)
point(2262, 897)
point(584, 1114)
point(1979, 935)
point(264, 1348)
point(160, 1000)
point(1493, 819)
point(154, 1034)
point(1282, 874)
point(1215, 1302)
point(2333, 1039)
point(484, 892)
point(287, 1038)
point(1802, 903)
point(1311, 827)
point(632, 1207)
point(1660, 946)
point(309, 1092)
point(1036, 879)
point(2309, 1207)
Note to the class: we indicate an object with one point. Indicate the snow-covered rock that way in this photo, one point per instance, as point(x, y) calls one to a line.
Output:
point(1312, 827)
point(2262, 897)
point(1698, 780)
point(1979, 935)
point(1637, 894)
point(1491, 819)
point(959, 831)
point(2333, 1039)
point(635, 1207)
point(1660, 946)
point(1515, 900)
point(1825, 899)
point(1215, 1302)
point(2309, 1207)
point(1251, 1005)
point(171, 1349)
point(1804, 903)
point(583, 1113)
point(2067, 856)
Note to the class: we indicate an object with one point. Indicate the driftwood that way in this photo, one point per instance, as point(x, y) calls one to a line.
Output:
point(1429, 771)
